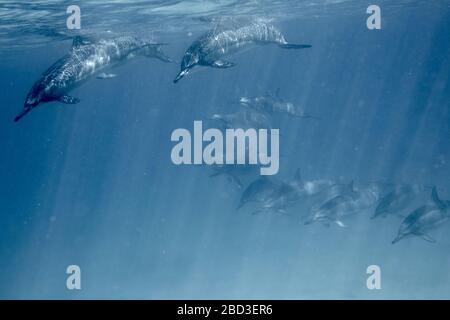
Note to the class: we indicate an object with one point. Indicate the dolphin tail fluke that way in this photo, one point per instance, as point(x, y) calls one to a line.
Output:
point(294, 46)
point(22, 114)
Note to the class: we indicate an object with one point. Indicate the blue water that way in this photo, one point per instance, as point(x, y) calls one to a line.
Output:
point(93, 184)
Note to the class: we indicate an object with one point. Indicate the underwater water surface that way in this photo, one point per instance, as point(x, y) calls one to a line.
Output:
point(92, 184)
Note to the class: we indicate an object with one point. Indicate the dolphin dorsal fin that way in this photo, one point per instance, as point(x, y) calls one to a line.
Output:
point(351, 187)
point(298, 175)
point(277, 93)
point(435, 197)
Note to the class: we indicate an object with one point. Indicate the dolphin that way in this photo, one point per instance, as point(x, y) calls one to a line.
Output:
point(278, 195)
point(259, 190)
point(397, 200)
point(347, 203)
point(212, 48)
point(283, 197)
point(271, 104)
point(247, 119)
point(424, 219)
point(85, 60)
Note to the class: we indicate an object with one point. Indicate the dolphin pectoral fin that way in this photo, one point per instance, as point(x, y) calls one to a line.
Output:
point(68, 100)
point(426, 237)
point(222, 64)
point(294, 46)
point(22, 114)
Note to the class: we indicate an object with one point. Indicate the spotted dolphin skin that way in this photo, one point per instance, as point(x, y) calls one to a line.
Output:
point(212, 47)
point(85, 60)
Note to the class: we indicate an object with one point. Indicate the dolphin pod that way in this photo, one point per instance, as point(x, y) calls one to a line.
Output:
point(85, 60)
point(329, 201)
point(89, 59)
point(335, 202)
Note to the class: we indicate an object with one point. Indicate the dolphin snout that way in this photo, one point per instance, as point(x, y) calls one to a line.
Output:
point(181, 75)
point(397, 239)
point(22, 114)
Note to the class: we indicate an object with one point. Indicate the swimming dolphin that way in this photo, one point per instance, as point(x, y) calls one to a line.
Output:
point(213, 47)
point(397, 200)
point(424, 219)
point(85, 60)
point(279, 200)
point(259, 190)
point(247, 119)
point(271, 104)
point(345, 204)
point(278, 195)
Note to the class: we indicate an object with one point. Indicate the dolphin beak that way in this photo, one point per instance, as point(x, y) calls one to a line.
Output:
point(397, 239)
point(181, 75)
point(22, 114)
